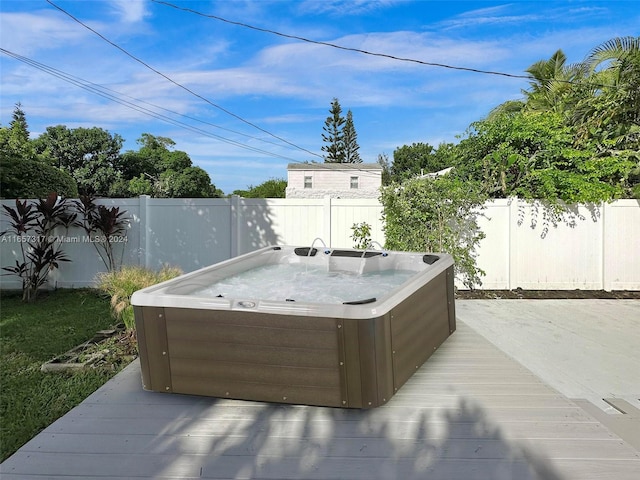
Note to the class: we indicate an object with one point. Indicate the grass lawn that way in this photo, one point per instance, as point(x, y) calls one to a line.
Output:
point(31, 334)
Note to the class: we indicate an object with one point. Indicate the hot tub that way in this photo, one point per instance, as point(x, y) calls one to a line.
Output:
point(213, 332)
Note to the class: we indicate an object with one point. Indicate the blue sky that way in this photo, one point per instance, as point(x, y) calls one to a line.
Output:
point(281, 85)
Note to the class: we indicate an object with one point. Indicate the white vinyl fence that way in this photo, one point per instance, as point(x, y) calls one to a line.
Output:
point(597, 247)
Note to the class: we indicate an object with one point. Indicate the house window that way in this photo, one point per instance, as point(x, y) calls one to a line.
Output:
point(354, 182)
point(307, 182)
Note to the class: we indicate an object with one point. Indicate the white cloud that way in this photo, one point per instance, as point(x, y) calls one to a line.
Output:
point(25, 33)
point(130, 11)
point(341, 8)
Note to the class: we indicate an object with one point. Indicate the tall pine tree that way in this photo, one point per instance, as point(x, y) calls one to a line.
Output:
point(350, 139)
point(14, 141)
point(334, 136)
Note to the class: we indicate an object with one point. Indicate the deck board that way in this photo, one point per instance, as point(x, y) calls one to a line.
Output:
point(471, 412)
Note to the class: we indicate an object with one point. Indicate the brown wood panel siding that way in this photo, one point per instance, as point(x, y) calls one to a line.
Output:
point(342, 360)
point(256, 373)
point(368, 367)
point(261, 354)
point(376, 368)
point(155, 349)
point(418, 326)
point(254, 319)
point(218, 326)
point(384, 360)
point(254, 356)
point(352, 362)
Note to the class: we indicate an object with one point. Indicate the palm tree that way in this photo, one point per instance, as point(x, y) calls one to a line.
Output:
point(552, 83)
point(615, 67)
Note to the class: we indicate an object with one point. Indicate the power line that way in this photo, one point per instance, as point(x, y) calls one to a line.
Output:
point(113, 96)
point(340, 47)
point(49, 69)
point(374, 54)
point(104, 92)
point(130, 55)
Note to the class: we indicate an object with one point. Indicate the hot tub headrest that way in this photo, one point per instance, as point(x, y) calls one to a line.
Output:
point(361, 302)
point(430, 259)
point(304, 251)
point(354, 253)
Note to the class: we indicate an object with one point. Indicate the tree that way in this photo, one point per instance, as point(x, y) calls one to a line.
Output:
point(192, 182)
point(272, 188)
point(158, 170)
point(90, 155)
point(334, 136)
point(621, 60)
point(611, 111)
point(14, 141)
point(553, 82)
point(149, 159)
point(23, 173)
point(410, 161)
point(532, 155)
point(600, 101)
point(350, 138)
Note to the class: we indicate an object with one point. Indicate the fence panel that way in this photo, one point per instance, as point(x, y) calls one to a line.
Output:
point(493, 251)
point(595, 248)
point(188, 233)
point(562, 256)
point(78, 246)
point(86, 261)
point(345, 212)
point(280, 221)
point(621, 252)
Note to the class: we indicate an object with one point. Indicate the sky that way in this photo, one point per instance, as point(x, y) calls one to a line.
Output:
point(244, 102)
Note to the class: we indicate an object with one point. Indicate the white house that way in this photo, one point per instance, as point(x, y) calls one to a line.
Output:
point(336, 180)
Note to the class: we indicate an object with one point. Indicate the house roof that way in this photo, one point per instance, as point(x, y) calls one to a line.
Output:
point(334, 166)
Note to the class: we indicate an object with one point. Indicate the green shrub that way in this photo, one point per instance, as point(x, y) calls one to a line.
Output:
point(436, 215)
point(121, 284)
point(361, 235)
point(22, 178)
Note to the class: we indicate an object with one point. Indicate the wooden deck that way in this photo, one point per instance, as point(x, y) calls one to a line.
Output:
point(470, 412)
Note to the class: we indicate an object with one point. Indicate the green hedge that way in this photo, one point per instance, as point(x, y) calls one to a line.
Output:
point(20, 178)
